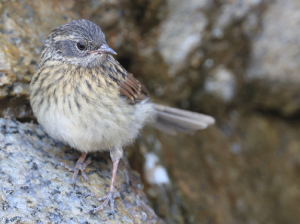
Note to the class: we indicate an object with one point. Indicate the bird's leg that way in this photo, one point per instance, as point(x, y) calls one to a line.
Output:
point(80, 165)
point(125, 166)
point(109, 198)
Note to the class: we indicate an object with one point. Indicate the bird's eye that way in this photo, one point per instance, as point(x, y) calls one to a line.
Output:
point(80, 46)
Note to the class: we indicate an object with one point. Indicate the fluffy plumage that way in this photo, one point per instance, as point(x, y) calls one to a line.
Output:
point(82, 107)
point(83, 97)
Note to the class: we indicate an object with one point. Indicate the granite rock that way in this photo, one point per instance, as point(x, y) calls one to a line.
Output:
point(32, 190)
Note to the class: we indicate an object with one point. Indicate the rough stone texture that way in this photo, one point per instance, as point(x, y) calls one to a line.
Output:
point(275, 61)
point(234, 59)
point(32, 190)
point(180, 35)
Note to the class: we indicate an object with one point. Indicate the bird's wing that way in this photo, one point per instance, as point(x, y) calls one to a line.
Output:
point(132, 89)
point(129, 87)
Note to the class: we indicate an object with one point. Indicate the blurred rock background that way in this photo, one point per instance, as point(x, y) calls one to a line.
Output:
point(237, 60)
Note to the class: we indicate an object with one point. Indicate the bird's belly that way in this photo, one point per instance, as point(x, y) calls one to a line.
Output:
point(95, 129)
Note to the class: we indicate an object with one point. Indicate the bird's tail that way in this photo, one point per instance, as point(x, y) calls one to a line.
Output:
point(172, 120)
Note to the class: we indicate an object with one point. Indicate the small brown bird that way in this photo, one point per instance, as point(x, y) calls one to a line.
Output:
point(83, 97)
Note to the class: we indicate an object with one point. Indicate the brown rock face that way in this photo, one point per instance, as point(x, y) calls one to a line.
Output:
point(236, 60)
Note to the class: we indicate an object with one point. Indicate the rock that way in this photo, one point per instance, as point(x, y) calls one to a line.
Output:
point(238, 173)
point(233, 12)
point(274, 65)
point(181, 32)
point(222, 84)
point(33, 190)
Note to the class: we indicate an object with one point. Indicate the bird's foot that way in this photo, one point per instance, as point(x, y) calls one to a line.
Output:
point(109, 198)
point(80, 166)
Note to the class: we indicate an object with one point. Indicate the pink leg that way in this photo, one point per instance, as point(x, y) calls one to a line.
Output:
point(109, 198)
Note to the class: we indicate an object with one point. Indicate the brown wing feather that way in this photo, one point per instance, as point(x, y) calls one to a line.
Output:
point(133, 89)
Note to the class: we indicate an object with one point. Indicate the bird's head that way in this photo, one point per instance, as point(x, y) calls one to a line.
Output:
point(78, 42)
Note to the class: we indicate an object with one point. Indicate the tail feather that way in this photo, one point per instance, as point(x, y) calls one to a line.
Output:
point(172, 120)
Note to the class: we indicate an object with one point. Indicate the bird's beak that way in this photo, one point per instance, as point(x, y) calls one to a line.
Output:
point(104, 49)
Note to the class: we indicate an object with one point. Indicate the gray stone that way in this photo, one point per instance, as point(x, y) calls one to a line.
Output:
point(32, 190)
point(275, 61)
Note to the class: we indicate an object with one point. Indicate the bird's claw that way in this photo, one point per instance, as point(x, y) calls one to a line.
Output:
point(80, 166)
point(109, 198)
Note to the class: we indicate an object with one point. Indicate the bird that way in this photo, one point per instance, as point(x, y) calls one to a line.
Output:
point(82, 96)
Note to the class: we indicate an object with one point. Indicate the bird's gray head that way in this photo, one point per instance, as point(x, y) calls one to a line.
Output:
point(78, 42)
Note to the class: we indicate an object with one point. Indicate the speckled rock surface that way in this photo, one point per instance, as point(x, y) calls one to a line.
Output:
point(32, 190)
